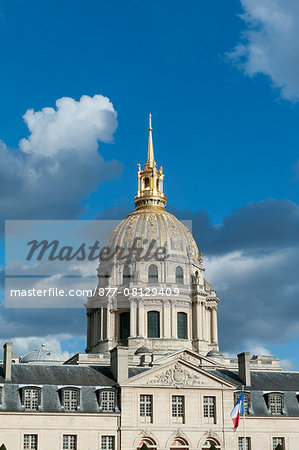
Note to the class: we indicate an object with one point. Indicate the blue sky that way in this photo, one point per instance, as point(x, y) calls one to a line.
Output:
point(220, 79)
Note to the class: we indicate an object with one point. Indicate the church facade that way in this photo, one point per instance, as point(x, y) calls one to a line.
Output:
point(152, 372)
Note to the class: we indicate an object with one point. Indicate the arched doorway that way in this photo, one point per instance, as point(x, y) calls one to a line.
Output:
point(179, 443)
point(209, 442)
point(150, 443)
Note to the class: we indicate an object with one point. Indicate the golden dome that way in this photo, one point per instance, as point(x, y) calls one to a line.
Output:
point(154, 224)
point(150, 221)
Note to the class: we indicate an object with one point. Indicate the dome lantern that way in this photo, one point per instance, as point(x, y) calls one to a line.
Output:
point(150, 179)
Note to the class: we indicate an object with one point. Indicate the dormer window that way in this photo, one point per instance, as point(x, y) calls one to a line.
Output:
point(31, 397)
point(107, 401)
point(246, 400)
point(70, 399)
point(275, 403)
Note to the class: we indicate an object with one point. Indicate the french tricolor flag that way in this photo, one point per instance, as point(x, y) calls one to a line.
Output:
point(237, 411)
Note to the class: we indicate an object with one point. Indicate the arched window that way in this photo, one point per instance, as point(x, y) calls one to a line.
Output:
point(179, 442)
point(153, 274)
point(150, 443)
point(179, 275)
point(158, 184)
point(209, 442)
point(124, 322)
point(182, 325)
point(146, 183)
point(153, 324)
point(126, 274)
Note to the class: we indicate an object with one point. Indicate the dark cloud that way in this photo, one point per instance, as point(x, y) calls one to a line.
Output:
point(17, 322)
point(251, 259)
point(261, 227)
point(47, 187)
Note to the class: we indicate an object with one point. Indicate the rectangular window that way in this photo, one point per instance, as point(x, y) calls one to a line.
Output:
point(70, 399)
point(246, 400)
point(107, 443)
point(69, 442)
point(30, 442)
point(108, 400)
point(241, 443)
point(178, 408)
point(275, 404)
point(277, 441)
point(209, 409)
point(30, 399)
point(153, 324)
point(146, 408)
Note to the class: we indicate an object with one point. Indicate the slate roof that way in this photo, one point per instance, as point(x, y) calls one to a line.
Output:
point(264, 382)
point(60, 375)
point(51, 378)
point(133, 371)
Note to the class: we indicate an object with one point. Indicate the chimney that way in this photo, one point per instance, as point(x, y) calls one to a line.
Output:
point(7, 357)
point(119, 363)
point(244, 368)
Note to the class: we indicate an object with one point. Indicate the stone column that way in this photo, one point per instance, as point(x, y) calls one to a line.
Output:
point(203, 322)
point(113, 330)
point(198, 319)
point(102, 325)
point(208, 324)
point(141, 332)
point(166, 319)
point(214, 325)
point(173, 320)
point(97, 327)
point(108, 318)
point(133, 331)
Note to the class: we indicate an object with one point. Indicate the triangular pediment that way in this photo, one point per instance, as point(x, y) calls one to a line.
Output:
point(194, 358)
point(178, 374)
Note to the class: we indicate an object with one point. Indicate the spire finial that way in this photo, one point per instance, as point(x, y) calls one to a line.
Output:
point(150, 148)
point(150, 179)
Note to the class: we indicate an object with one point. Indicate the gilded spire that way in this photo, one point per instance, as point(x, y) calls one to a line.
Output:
point(150, 180)
point(150, 160)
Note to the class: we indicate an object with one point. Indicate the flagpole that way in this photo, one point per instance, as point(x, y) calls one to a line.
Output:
point(244, 425)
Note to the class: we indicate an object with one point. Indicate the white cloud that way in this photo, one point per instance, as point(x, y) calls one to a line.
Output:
point(255, 349)
point(287, 364)
point(224, 270)
point(59, 164)
point(24, 345)
point(73, 125)
point(269, 43)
